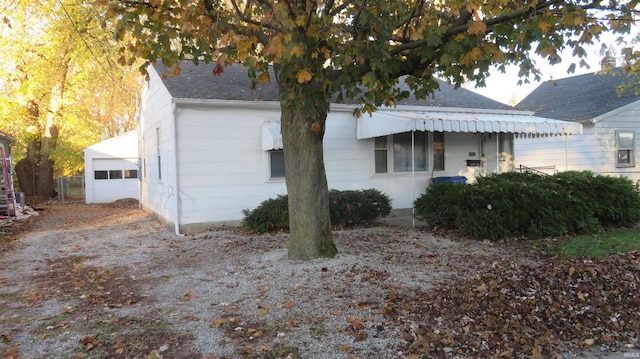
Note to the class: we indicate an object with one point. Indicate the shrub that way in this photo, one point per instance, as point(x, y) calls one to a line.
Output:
point(357, 206)
point(346, 208)
point(509, 204)
point(270, 215)
point(439, 205)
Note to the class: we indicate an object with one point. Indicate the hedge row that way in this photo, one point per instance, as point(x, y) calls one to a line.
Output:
point(346, 208)
point(505, 205)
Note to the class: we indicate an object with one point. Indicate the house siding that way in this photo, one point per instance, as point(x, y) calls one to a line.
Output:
point(156, 112)
point(223, 169)
point(594, 150)
point(214, 165)
point(564, 153)
point(627, 118)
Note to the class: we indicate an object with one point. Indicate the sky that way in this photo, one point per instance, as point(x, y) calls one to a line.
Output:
point(503, 87)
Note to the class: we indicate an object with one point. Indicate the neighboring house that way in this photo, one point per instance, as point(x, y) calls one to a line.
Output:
point(111, 169)
point(211, 146)
point(611, 124)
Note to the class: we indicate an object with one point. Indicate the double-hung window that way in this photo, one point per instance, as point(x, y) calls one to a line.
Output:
point(625, 149)
point(397, 150)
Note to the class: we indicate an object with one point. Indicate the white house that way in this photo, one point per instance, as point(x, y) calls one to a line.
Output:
point(111, 169)
point(611, 125)
point(211, 146)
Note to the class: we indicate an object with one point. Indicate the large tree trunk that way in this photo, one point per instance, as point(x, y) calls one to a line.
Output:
point(26, 177)
point(309, 221)
point(45, 186)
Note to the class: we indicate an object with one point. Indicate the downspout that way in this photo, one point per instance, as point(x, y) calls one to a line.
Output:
point(176, 202)
point(413, 177)
point(497, 153)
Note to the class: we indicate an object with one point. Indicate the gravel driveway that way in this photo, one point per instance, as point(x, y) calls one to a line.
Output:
point(109, 281)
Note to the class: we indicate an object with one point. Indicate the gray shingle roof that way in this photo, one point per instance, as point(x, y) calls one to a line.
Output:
point(198, 82)
point(578, 98)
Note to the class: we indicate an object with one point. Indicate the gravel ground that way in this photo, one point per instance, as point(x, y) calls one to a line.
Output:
point(109, 281)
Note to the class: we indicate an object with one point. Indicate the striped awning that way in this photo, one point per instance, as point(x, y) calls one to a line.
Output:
point(383, 123)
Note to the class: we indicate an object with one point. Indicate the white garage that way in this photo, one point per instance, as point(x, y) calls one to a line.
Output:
point(111, 169)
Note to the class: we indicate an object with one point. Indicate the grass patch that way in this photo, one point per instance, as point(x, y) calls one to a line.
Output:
point(594, 245)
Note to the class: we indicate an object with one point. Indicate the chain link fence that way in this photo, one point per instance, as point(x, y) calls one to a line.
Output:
point(70, 189)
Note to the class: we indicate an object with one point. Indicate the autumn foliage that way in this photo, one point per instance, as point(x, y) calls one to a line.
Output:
point(511, 204)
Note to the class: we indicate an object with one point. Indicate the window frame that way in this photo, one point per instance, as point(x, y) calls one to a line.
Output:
point(159, 151)
point(101, 178)
point(390, 153)
point(629, 150)
point(270, 157)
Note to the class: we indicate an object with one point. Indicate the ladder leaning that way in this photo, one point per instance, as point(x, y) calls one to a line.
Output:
point(7, 199)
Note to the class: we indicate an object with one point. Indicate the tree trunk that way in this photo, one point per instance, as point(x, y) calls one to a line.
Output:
point(26, 179)
point(309, 221)
point(45, 184)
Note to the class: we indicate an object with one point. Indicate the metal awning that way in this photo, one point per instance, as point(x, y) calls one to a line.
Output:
point(271, 137)
point(383, 123)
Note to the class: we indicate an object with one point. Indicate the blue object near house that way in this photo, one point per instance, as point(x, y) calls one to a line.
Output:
point(449, 179)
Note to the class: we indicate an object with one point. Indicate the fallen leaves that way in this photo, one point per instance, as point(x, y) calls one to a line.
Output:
point(521, 309)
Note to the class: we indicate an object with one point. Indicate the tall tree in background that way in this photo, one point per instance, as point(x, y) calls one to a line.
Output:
point(62, 88)
point(358, 49)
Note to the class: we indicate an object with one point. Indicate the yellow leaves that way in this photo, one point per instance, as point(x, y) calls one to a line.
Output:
point(301, 20)
point(545, 27)
point(176, 70)
point(245, 45)
point(304, 75)
point(477, 28)
point(264, 77)
point(296, 51)
point(476, 54)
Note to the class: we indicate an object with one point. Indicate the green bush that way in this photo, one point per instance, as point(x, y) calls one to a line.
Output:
point(500, 206)
point(346, 208)
point(270, 215)
point(352, 207)
point(439, 205)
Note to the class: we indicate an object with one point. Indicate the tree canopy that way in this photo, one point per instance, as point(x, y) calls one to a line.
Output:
point(62, 87)
point(357, 49)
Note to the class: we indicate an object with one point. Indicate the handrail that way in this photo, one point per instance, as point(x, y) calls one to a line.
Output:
point(537, 170)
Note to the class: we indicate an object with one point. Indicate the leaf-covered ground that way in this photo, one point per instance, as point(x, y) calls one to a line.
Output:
point(109, 281)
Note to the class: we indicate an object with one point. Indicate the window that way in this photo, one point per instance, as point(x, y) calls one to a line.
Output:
point(276, 164)
point(101, 175)
point(625, 143)
point(438, 151)
point(131, 174)
point(158, 148)
point(115, 174)
point(401, 153)
point(381, 154)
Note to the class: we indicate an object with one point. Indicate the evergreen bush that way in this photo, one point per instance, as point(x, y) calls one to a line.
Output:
point(350, 207)
point(509, 204)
